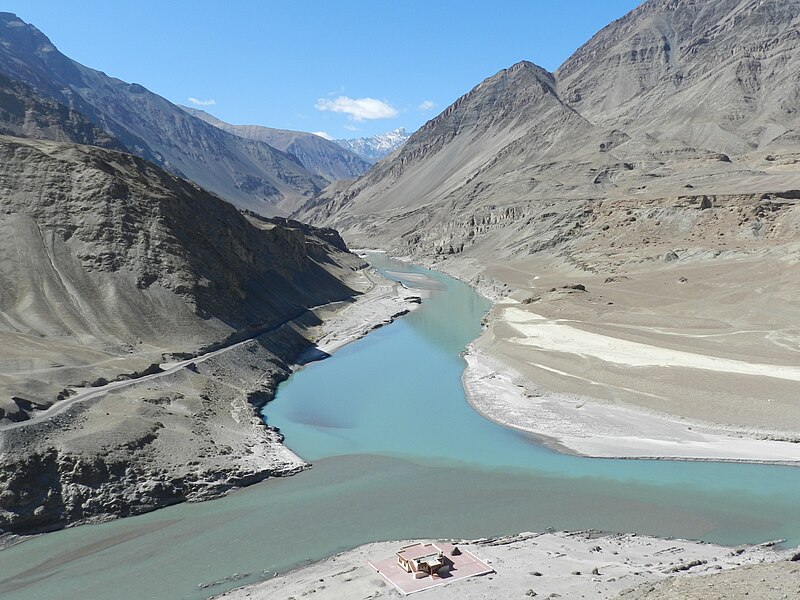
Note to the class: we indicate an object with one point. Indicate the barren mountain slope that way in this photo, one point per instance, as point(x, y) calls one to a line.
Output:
point(323, 157)
point(491, 143)
point(720, 75)
point(249, 173)
point(599, 130)
point(115, 257)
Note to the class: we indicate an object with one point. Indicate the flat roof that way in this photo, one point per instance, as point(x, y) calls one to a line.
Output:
point(416, 551)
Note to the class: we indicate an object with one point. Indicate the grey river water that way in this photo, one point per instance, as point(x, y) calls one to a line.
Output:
point(397, 453)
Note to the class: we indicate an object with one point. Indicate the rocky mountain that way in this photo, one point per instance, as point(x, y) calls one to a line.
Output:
point(320, 156)
point(679, 99)
point(719, 75)
point(111, 267)
point(515, 116)
point(248, 173)
point(374, 148)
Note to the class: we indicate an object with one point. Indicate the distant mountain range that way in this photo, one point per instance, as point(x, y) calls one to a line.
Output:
point(372, 149)
point(320, 156)
point(246, 171)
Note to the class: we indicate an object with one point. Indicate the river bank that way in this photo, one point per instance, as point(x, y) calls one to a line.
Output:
point(545, 565)
point(191, 432)
point(583, 426)
point(602, 366)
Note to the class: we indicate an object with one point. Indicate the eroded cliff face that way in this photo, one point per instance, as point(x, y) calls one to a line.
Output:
point(600, 235)
point(111, 267)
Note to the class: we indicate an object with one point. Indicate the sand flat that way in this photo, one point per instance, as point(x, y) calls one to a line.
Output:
point(546, 334)
point(582, 426)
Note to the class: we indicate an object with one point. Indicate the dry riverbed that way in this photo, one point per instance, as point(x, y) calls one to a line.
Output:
point(583, 425)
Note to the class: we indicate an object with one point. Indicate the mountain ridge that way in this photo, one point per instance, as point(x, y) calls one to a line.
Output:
point(376, 147)
point(446, 155)
point(317, 154)
point(525, 133)
point(248, 173)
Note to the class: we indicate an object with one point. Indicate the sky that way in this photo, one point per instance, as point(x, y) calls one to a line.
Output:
point(346, 68)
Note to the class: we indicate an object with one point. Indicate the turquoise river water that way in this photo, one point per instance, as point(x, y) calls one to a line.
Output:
point(397, 453)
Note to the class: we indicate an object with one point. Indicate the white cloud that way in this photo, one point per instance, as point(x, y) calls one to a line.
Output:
point(351, 128)
point(359, 109)
point(427, 105)
point(196, 102)
point(323, 134)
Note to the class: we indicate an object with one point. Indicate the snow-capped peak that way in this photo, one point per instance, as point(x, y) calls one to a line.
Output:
point(374, 148)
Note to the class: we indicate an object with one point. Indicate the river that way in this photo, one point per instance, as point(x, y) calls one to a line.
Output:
point(397, 453)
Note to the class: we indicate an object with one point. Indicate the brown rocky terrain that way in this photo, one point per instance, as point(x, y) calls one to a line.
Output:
point(191, 435)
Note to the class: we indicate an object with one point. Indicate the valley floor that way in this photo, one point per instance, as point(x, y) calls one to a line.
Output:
point(552, 565)
point(695, 361)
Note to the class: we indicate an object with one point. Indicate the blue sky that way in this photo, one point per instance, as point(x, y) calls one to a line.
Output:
point(348, 67)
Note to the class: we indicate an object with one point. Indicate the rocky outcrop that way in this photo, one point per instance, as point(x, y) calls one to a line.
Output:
point(191, 436)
